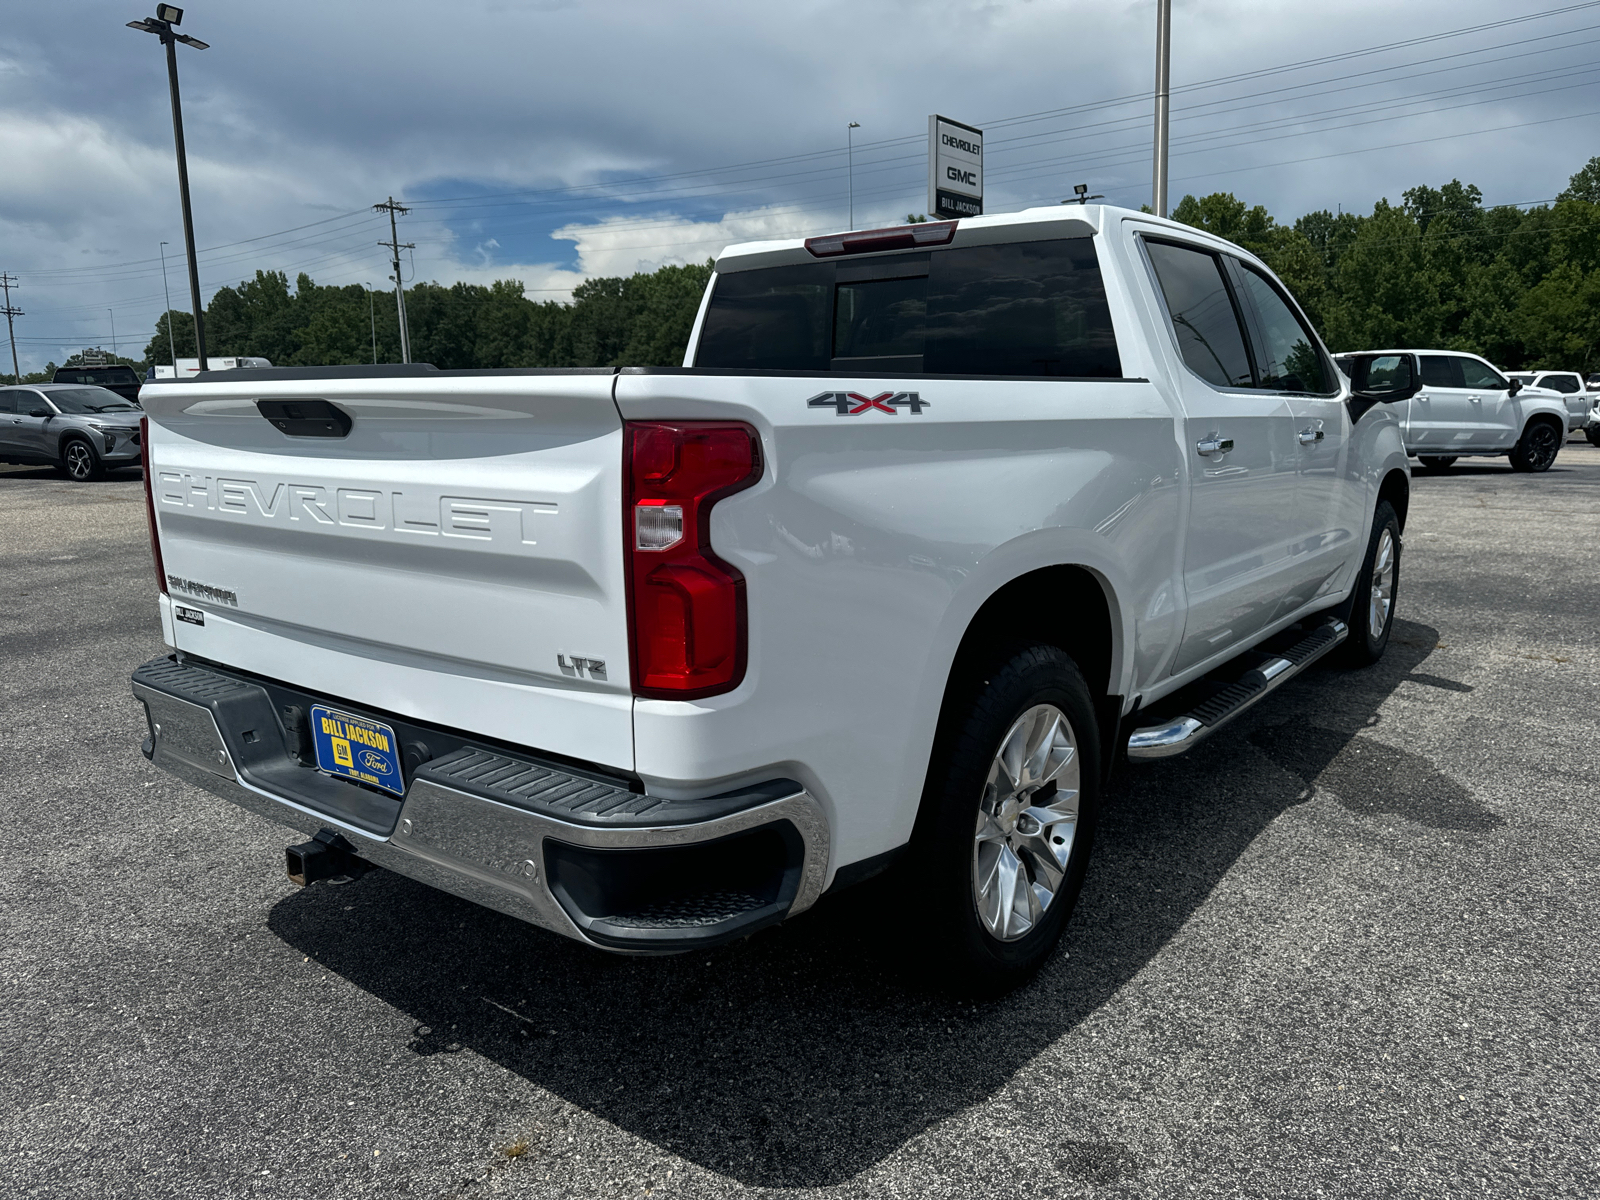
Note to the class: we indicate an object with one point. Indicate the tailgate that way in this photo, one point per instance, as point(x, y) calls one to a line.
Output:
point(455, 558)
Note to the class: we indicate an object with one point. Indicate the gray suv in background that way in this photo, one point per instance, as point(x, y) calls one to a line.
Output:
point(78, 430)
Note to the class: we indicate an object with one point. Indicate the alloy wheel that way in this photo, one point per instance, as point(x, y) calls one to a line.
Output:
point(80, 461)
point(1027, 821)
point(1382, 592)
point(1543, 445)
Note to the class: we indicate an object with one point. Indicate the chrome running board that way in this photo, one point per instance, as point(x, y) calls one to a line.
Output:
point(1191, 728)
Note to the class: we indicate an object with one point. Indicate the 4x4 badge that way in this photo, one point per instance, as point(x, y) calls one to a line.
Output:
point(853, 404)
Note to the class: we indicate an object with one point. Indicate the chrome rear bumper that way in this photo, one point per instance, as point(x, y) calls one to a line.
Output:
point(471, 837)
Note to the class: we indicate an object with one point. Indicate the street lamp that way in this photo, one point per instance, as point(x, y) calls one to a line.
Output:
point(850, 148)
point(372, 316)
point(1158, 188)
point(168, 15)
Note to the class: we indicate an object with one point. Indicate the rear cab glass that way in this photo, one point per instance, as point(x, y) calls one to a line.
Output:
point(1019, 309)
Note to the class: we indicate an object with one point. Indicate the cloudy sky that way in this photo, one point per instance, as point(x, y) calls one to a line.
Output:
point(553, 140)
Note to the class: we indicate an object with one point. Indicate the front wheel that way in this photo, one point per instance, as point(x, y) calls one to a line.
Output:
point(1537, 448)
point(79, 461)
point(1592, 432)
point(1008, 819)
point(1372, 607)
point(1435, 463)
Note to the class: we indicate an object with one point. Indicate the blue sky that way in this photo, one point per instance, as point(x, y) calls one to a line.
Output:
point(552, 141)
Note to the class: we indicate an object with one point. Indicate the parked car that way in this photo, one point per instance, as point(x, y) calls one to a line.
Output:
point(124, 381)
point(1567, 384)
point(1467, 407)
point(79, 430)
point(934, 524)
point(1591, 425)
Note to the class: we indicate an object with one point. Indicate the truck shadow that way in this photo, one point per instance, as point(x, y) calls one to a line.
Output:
point(808, 1053)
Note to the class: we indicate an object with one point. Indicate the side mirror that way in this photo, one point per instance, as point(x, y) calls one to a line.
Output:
point(41, 412)
point(1382, 379)
point(1516, 386)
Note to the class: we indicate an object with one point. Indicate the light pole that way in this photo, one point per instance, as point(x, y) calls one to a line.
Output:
point(372, 315)
point(1163, 82)
point(113, 313)
point(168, 15)
point(850, 150)
point(172, 346)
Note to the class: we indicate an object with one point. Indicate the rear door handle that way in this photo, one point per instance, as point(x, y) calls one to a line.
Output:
point(1310, 437)
point(1214, 445)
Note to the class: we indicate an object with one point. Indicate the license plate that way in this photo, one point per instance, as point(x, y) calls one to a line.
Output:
point(355, 748)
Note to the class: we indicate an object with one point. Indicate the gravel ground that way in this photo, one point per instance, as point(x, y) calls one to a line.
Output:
point(1346, 948)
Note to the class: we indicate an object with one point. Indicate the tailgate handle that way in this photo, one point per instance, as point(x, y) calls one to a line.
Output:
point(306, 418)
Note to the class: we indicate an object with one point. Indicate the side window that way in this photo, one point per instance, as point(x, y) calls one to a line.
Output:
point(1475, 374)
point(1441, 371)
point(1202, 314)
point(1287, 357)
point(777, 319)
point(1564, 383)
point(8, 401)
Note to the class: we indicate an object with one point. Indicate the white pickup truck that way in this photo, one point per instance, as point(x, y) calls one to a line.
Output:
point(934, 525)
point(1465, 407)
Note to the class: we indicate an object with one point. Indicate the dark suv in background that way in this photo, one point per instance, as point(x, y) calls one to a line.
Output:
point(124, 381)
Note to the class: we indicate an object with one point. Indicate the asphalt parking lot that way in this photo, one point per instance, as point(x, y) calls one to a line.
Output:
point(1346, 948)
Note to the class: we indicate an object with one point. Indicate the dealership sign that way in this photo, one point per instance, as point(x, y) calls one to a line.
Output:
point(955, 169)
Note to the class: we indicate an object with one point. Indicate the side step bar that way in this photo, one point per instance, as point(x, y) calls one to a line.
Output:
point(1191, 728)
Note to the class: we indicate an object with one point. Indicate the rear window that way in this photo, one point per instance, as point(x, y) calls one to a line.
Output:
point(101, 376)
point(1021, 309)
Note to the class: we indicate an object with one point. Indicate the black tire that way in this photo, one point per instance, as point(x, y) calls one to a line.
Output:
point(1365, 646)
point(1436, 463)
point(1592, 432)
point(79, 462)
point(959, 949)
point(1536, 450)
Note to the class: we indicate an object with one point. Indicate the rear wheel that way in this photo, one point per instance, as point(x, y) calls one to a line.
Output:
point(1538, 447)
point(1378, 585)
point(1593, 434)
point(1008, 818)
point(1436, 463)
point(79, 461)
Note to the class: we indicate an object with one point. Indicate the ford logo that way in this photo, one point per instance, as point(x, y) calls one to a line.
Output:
point(373, 761)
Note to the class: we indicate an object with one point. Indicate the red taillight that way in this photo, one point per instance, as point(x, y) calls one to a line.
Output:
point(897, 237)
point(150, 502)
point(686, 608)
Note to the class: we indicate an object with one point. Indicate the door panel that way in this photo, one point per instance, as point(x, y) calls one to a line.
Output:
point(1442, 417)
point(1242, 518)
point(1490, 406)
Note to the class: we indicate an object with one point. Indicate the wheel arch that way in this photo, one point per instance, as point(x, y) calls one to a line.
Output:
point(1396, 489)
point(1067, 605)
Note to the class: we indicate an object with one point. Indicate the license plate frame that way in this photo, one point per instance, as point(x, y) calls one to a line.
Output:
point(357, 748)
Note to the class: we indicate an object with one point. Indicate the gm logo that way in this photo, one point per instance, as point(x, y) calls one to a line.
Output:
point(970, 178)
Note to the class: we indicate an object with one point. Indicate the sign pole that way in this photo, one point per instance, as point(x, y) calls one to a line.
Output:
point(1158, 199)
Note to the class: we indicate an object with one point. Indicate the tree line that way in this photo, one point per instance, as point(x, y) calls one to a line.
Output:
point(1520, 286)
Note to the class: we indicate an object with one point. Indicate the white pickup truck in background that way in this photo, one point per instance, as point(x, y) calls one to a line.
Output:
point(1465, 407)
point(935, 524)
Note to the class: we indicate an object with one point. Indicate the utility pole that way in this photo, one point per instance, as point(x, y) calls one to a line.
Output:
point(8, 281)
point(113, 313)
point(1163, 89)
point(172, 346)
point(395, 246)
point(161, 24)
